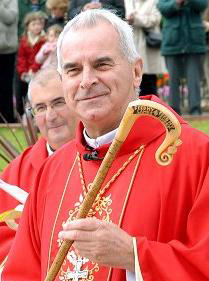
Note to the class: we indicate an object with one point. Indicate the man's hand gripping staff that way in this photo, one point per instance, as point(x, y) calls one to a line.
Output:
point(163, 156)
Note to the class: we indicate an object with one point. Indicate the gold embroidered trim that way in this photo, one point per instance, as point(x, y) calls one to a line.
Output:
point(114, 177)
point(127, 197)
point(3, 263)
point(55, 221)
point(138, 272)
point(109, 274)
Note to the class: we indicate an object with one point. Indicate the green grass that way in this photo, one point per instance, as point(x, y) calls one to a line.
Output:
point(200, 125)
point(20, 136)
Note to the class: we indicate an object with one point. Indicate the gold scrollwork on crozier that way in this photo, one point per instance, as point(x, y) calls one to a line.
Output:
point(76, 267)
point(171, 150)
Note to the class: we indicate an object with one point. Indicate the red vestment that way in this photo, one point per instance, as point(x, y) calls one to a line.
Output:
point(20, 172)
point(167, 209)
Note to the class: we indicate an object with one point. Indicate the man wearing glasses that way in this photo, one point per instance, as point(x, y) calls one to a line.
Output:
point(56, 124)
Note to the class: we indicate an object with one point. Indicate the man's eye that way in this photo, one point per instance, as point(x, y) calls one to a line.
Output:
point(103, 65)
point(40, 108)
point(59, 103)
point(72, 71)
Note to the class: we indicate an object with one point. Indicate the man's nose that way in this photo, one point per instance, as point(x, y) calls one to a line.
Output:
point(89, 78)
point(51, 114)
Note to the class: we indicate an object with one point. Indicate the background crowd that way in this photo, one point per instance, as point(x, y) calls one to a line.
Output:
point(171, 36)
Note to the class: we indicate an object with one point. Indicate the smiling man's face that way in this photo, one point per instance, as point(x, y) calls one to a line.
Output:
point(98, 81)
point(57, 123)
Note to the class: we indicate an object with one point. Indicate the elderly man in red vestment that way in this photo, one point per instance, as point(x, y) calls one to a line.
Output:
point(57, 126)
point(148, 222)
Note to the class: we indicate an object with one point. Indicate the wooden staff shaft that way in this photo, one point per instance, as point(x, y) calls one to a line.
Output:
point(85, 207)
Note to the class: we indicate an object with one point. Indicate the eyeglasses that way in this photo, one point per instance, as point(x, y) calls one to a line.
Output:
point(41, 109)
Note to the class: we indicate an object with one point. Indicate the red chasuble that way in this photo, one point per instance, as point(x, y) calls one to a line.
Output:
point(167, 208)
point(20, 172)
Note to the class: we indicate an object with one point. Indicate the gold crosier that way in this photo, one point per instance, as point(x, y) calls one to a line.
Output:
point(101, 207)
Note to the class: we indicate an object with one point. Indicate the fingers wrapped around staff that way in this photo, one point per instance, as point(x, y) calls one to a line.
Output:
point(101, 242)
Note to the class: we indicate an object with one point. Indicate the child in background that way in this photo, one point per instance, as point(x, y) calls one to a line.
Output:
point(30, 44)
point(47, 54)
point(57, 12)
point(25, 7)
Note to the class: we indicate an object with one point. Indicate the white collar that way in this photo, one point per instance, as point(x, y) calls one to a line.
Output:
point(101, 140)
point(49, 149)
point(33, 39)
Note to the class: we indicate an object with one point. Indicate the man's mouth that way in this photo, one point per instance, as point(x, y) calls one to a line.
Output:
point(91, 97)
point(54, 126)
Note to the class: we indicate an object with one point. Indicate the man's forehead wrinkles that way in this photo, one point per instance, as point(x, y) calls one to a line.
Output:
point(78, 61)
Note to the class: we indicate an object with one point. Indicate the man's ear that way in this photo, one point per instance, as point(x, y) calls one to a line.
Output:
point(138, 71)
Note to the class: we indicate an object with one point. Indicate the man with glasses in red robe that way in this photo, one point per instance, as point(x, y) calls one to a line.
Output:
point(57, 126)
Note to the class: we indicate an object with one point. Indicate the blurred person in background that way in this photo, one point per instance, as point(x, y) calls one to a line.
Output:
point(25, 7)
point(184, 47)
point(47, 56)
point(30, 44)
point(8, 48)
point(57, 12)
point(77, 6)
point(144, 15)
point(206, 61)
point(56, 123)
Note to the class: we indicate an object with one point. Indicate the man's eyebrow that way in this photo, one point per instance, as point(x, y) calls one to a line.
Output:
point(54, 100)
point(104, 59)
point(69, 65)
point(39, 103)
point(57, 99)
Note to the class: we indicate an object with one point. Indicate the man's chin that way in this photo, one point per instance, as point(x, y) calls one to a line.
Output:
point(54, 132)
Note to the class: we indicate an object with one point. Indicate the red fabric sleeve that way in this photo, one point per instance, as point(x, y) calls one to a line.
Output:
point(28, 234)
point(20, 172)
point(6, 237)
point(11, 175)
point(185, 260)
point(26, 259)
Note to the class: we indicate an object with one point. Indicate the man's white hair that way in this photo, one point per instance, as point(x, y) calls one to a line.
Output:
point(90, 18)
point(42, 77)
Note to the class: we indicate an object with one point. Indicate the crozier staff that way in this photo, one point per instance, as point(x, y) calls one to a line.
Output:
point(146, 223)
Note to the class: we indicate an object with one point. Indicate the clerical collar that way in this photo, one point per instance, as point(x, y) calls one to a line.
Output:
point(101, 140)
point(50, 150)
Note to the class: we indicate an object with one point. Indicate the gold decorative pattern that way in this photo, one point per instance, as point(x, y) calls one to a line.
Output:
point(102, 211)
point(71, 268)
point(120, 170)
